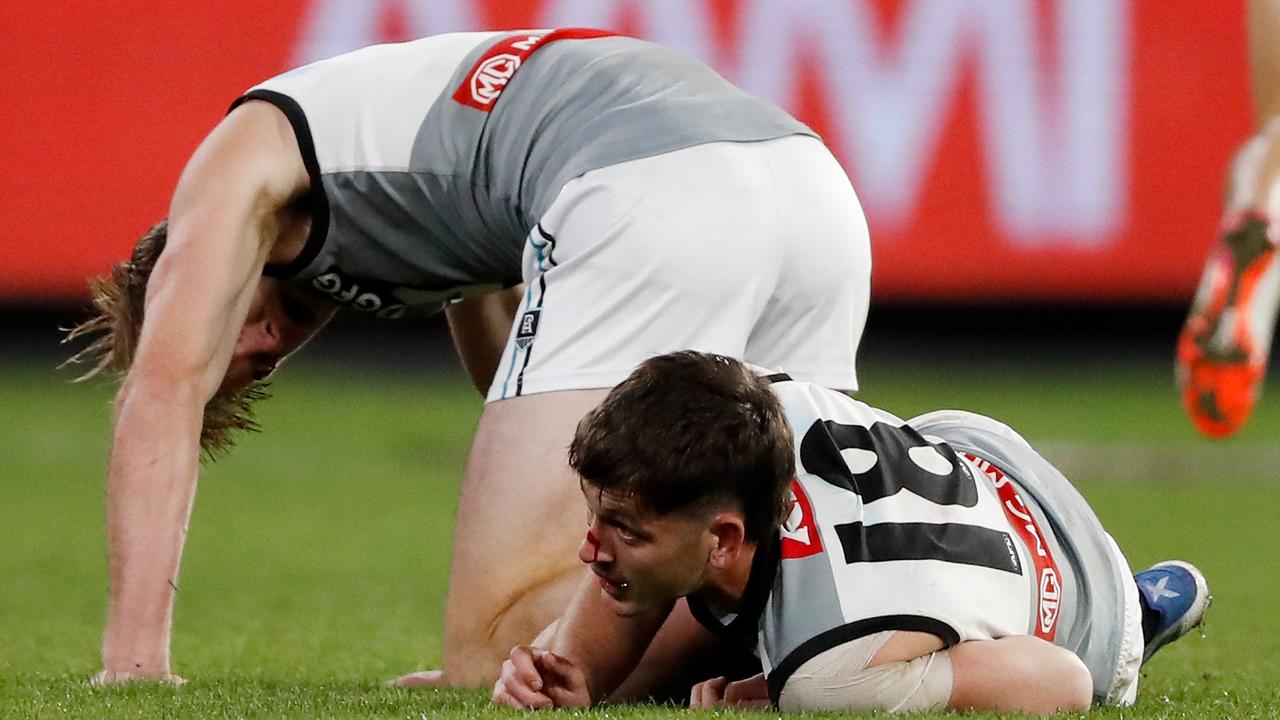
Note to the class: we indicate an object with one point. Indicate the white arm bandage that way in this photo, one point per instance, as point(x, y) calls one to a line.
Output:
point(839, 680)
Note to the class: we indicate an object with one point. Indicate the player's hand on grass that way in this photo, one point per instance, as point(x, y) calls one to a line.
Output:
point(117, 677)
point(752, 693)
point(536, 679)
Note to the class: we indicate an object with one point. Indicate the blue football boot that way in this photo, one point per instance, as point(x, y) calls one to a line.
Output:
point(1174, 596)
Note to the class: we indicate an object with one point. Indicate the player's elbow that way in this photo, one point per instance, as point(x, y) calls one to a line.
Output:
point(1019, 674)
point(1080, 683)
point(1065, 685)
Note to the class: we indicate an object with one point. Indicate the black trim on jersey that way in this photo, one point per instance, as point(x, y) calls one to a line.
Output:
point(776, 378)
point(746, 623)
point(316, 200)
point(550, 241)
point(949, 542)
point(834, 637)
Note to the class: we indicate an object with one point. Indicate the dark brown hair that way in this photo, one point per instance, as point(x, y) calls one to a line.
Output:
point(687, 430)
point(118, 299)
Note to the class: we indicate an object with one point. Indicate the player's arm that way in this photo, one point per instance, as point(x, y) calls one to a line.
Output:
point(1020, 673)
point(581, 658)
point(913, 672)
point(222, 224)
point(480, 326)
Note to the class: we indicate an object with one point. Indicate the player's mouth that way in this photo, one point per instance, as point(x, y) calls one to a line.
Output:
point(613, 588)
point(263, 371)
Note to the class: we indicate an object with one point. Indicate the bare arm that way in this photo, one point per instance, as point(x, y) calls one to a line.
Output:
point(1018, 674)
point(480, 326)
point(221, 228)
point(912, 672)
point(580, 658)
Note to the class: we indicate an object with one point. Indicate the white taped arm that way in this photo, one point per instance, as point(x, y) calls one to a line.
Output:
point(1012, 674)
point(839, 680)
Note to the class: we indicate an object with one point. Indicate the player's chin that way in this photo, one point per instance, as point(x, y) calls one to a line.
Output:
point(234, 383)
point(239, 376)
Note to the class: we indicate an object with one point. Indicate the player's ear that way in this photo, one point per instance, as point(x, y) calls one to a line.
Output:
point(729, 532)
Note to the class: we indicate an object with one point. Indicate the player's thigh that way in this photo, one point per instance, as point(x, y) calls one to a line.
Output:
point(815, 315)
point(1264, 57)
point(667, 253)
point(520, 518)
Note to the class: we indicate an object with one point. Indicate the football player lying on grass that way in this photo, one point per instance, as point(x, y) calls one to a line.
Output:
point(873, 564)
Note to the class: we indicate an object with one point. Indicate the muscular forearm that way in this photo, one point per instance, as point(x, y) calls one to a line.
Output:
point(479, 327)
point(150, 489)
point(605, 646)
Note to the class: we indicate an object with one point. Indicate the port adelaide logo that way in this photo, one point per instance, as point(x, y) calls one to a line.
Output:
point(528, 328)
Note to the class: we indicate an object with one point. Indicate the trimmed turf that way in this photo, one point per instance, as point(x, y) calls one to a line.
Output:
point(317, 557)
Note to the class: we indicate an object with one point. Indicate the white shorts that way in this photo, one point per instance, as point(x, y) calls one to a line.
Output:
point(759, 251)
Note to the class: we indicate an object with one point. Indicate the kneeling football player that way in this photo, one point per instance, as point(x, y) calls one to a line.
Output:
point(872, 563)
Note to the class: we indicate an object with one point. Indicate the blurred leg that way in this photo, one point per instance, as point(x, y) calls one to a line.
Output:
point(1264, 58)
point(1224, 346)
point(520, 518)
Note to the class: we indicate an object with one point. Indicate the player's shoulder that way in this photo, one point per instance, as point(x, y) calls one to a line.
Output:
point(806, 402)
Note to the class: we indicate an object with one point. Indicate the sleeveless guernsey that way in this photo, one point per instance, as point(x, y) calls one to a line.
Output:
point(431, 160)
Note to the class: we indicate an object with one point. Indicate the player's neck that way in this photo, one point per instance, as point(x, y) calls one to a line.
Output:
point(724, 587)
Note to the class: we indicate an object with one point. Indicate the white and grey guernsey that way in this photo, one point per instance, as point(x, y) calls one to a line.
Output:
point(431, 160)
point(950, 524)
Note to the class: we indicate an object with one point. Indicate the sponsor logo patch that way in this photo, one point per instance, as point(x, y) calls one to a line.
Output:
point(1048, 579)
point(799, 532)
point(362, 295)
point(487, 79)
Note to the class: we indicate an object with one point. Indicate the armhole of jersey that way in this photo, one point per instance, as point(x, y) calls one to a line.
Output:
point(776, 378)
point(823, 642)
point(318, 203)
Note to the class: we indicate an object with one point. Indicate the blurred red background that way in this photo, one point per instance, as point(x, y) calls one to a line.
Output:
point(1003, 149)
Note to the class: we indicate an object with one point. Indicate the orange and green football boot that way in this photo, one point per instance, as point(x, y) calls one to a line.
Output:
point(1223, 347)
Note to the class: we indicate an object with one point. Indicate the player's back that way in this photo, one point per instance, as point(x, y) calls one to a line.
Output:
point(432, 159)
point(890, 530)
point(948, 523)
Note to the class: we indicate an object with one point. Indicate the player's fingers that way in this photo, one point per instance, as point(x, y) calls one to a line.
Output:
point(708, 692)
point(519, 697)
point(519, 688)
point(749, 693)
point(561, 668)
point(566, 683)
point(524, 667)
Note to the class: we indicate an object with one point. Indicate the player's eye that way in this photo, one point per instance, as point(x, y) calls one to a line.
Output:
point(626, 533)
point(296, 311)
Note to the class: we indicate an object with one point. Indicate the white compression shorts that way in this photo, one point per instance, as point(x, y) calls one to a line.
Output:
point(839, 680)
point(758, 251)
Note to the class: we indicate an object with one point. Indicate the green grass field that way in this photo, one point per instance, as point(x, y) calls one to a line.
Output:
point(317, 558)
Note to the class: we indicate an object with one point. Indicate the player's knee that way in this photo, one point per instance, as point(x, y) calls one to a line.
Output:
point(478, 636)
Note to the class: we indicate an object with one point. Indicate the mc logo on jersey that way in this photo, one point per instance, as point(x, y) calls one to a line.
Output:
point(495, 68)
point(1050, 602)
point(492, 76)
point(799, 532)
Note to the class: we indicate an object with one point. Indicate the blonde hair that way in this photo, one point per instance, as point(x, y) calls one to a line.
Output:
point(119, 299)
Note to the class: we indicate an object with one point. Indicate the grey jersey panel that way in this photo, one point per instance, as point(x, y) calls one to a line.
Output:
point(1092, 621)
point(429, 199)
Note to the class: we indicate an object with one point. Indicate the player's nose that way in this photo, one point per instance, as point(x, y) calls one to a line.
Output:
point(589, 549)
point(259, 338)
